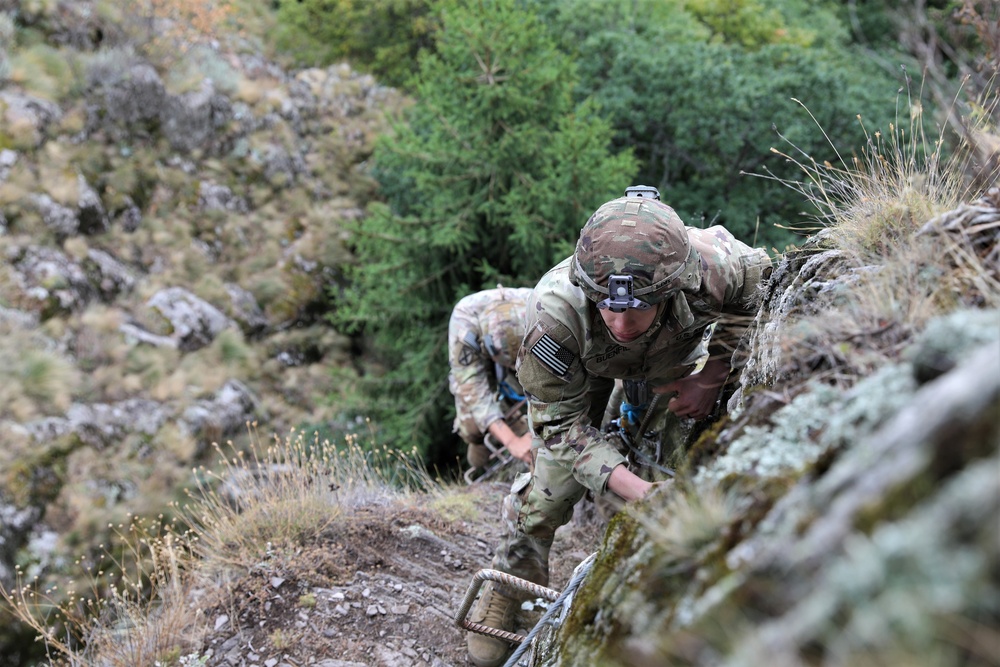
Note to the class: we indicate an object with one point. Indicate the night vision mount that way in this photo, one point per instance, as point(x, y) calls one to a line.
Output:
point(643, 191)
point(620, 296)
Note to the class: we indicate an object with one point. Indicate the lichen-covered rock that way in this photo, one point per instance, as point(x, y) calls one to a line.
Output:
point(111, 277)
point(62, 220)
point(245, 310)
point(126, 96)
point(194, 322)
point(228, 412)
point(214, 197)
point(192, 119)
point(11, 319)
point(51, 282)
point(27, 117)
point(8, 159)
point(91, 216)
point(101, 425)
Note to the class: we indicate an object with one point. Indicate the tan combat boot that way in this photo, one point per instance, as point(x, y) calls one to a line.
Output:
point(478, 455)
point(495, 610)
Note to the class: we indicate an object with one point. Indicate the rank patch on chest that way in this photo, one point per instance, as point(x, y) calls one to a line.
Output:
point(553, 356)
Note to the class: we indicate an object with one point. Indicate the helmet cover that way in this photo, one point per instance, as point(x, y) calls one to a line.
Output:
point(502, 326)
point(638, 237)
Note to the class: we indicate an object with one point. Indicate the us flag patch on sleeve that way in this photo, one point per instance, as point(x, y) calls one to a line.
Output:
point(553, 356)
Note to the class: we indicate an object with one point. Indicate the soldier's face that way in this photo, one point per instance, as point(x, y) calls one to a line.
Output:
point(629, 325)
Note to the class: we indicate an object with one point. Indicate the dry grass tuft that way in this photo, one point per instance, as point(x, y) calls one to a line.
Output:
point(133, 611)
point(690, 520)
point(280, 497)
point(39, 380)
point(907, 234)
point(256, 511)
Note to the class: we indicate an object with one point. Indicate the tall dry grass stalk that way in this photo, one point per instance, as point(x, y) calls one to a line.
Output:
point(132, 612)
point(904, 248)
point(282, 495)
point(258, 505)
point(900, 179)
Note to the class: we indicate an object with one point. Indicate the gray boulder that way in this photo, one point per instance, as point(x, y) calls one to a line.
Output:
point(101, 425)
point(213, 197)
point(62, 220)
point(191, 120)
point(225, 414)
point(245, 310)
point(111, 276)
point(91, 216)
point(53, 281)
point(126, 96)
point(194, 322)
point(33, 114)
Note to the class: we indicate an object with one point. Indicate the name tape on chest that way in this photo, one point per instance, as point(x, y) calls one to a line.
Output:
point(553, 356)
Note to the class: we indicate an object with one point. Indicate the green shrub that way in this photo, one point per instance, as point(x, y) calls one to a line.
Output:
point(384, 36)
point(44, 71)
point(495, 163)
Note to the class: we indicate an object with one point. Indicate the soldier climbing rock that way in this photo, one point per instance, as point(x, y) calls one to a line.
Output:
point(484, 336)
point(631, 303)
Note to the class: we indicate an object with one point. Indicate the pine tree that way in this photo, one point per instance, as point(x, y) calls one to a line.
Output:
point(488, 179)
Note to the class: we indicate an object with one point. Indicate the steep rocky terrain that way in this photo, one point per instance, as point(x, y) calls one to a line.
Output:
point(173, 213)
point(171, 240)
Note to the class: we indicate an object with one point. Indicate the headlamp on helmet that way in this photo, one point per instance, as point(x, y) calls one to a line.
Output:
point(621, 296)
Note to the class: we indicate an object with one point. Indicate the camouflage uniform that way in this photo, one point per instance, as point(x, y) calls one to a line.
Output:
point(491, 320)
point(569, 360)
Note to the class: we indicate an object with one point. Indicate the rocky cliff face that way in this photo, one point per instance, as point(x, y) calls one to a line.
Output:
point(845, 513)
point(170, 240)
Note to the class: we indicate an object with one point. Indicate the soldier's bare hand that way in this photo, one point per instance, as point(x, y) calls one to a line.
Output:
point(520, 447)
point(695, 395)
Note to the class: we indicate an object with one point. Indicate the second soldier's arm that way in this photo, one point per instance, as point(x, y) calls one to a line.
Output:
point(471, 367)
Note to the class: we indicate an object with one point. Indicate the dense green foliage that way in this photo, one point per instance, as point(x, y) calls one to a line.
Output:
point(702, 116)
point(383, 37)
point(488, 180)
point(510, 98)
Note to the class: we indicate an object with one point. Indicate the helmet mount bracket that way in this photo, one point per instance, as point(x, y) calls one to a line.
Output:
point(621, 295)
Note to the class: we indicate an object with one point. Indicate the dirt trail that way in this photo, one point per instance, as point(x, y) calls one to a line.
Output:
point(382, 589)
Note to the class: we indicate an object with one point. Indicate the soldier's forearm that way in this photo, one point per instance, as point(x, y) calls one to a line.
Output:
point(626, 484)
point(502, 432)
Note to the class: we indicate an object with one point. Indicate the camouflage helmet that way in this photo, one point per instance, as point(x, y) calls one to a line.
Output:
point(634, 252)
point(502, 326)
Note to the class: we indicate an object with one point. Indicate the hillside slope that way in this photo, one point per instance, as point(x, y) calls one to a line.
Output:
point(174, 210)
point(381, 587)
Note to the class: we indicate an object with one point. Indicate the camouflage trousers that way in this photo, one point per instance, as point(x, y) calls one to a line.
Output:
point(538, 504)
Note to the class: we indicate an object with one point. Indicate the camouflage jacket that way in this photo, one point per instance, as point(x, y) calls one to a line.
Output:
point(497, 316)
point(569, 361)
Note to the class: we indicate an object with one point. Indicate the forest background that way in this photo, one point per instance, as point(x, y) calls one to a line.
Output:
point(528, 115)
